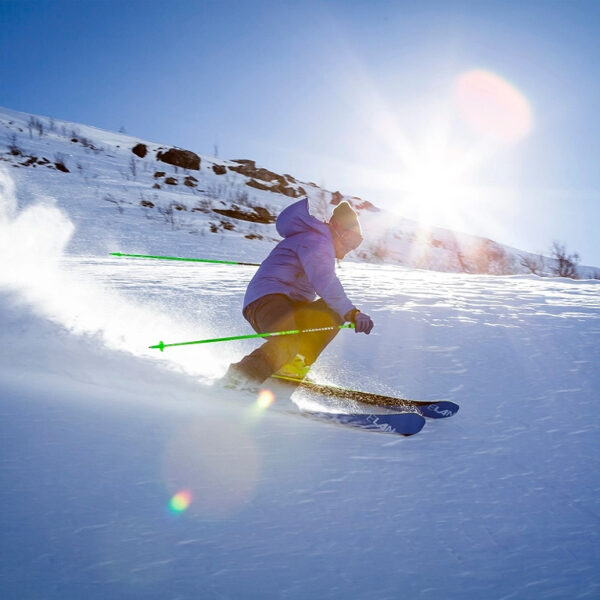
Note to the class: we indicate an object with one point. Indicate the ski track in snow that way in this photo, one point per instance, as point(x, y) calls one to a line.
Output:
point(500, 501)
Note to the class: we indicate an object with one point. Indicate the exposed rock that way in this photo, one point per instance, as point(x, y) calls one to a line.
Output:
point(243, 169)
point(365, 205)
point(354, 201)
point(336, 198)
point(186, 159)
point(190, 181)
point(147, 203)
point(280, 184)
point(219, 169)
point(61, 167)
point(266, 175)
point(259, 214)
point(248, 168)
point(140, 150)
point(30, 161)
point(259, 186)
point(264, 216)
point(159, 174)
point(290, 192)
point(171, 181)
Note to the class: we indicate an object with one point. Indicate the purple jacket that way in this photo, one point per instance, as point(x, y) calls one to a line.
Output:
point(302, 265)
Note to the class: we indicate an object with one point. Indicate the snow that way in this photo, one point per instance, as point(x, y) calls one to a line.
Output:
point(99, 432)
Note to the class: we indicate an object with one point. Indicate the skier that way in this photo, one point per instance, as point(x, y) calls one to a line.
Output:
point(282, 295)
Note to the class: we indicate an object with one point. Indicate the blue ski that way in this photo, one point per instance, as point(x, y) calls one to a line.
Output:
point(407, 423)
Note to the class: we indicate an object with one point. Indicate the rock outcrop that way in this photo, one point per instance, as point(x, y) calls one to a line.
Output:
point(186, 159)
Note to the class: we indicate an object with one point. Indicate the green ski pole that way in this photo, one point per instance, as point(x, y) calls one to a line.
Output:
point(200, 260)
point(161, 345)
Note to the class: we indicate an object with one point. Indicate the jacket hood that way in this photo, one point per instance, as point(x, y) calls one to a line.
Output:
point(296, 219)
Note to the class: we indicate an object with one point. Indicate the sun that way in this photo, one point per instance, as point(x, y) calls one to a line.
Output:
point(435, 187)
point(429, 187)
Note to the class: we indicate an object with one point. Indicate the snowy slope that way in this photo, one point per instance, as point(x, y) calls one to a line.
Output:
point(500, 501)
point(99, 432)
point(119, 201)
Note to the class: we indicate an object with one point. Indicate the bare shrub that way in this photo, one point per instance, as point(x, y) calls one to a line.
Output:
point(534, 264)
point(168, 213)
point(119, 203)
point(204, 205)
point(133, 167)
point(216, 191)
point(566, 264)
point(35, 123)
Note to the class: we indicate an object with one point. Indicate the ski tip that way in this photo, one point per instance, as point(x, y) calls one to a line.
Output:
point(410, 425)
point(438, 410)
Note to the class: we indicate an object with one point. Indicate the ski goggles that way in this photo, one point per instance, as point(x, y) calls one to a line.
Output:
point(348, 238)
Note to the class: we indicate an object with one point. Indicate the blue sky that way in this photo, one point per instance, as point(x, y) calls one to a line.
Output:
point(351, 95)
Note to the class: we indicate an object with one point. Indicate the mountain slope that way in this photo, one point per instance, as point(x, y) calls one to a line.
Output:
point(107, 188)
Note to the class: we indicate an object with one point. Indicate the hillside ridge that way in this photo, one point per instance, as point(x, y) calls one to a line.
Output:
point(159, 193)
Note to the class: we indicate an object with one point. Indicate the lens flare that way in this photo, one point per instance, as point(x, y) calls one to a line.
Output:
point(257, 409)
point(265, 399)
point(212, 466)
point(180, 501)
point(492, 106)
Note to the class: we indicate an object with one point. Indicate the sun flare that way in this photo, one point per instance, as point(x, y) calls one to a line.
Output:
point(435, 187)
point(493, 107)
point(438, 176)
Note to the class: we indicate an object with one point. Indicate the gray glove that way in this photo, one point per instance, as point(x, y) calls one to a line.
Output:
point(362, 322)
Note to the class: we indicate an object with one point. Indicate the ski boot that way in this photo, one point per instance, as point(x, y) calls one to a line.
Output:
point(295, 369)
point(236, 379)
